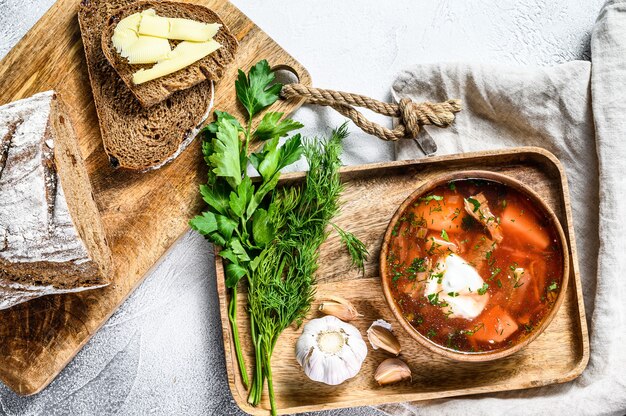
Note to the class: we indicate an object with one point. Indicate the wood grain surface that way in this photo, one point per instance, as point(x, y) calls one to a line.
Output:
point(143, 214)
point(372, 195)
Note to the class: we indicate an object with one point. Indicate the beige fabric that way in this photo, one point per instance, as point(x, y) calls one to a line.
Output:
point(553, 108)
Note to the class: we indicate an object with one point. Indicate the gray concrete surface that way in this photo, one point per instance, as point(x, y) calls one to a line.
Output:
point(161, 353)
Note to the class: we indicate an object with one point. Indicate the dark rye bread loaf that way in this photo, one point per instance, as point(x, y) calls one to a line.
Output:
point(135, 137)
point(52, 239)
point(210, 67)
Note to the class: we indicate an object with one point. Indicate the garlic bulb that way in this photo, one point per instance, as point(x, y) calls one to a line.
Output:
point(330, 351)
point(380, 336)
point(339, 307)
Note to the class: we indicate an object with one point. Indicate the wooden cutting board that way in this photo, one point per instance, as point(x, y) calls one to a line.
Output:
point(144, 214)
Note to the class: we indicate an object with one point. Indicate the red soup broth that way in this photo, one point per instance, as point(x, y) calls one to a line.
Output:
point(506, 238)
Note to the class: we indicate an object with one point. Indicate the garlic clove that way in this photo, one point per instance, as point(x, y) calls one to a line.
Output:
point(339, 308)
point(380, 337)
point(330, 351)
point(392, 370)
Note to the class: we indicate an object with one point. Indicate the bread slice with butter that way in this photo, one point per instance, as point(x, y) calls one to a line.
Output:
point(136, 137)
point(209, 67)
point(52, 239)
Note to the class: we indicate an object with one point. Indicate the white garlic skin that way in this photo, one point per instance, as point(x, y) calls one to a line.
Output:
point(326, 364)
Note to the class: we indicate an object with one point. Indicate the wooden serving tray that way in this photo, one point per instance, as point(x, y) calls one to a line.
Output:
point(372, 195)
point(143, 214)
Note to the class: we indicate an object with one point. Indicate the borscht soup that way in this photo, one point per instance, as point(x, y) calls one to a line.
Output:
point(474, 265)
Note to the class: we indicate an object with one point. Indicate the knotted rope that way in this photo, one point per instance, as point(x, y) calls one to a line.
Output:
point(410, 114)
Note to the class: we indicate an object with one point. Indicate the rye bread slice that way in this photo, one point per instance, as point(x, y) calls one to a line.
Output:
point(52, 239)
point(135, 137)
point(210, 67)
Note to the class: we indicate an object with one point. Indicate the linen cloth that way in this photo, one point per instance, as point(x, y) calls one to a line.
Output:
point(577, 111)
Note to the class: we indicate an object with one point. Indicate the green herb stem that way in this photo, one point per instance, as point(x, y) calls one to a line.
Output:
point(270, 382)
point(232, 317)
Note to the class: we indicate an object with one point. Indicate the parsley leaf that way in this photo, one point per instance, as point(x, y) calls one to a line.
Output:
point(216, 197)
point(271, 126)
point(210, 130)
point(273, 158)
point(239, 251)
point(265, 188)
point(239, 201)
point(226, 147)
point(234, 272)
point(444, 235)
point(262, 230)
point(254, 91)
point(553, 287)
point(226, 226)
point(205, 224)
point(266, 162)
point(291, 151)
point(229, 255)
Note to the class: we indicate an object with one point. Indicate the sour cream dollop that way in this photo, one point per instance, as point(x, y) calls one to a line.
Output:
point(457, 283)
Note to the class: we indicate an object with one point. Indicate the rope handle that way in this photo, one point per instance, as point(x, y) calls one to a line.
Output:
point(411, 115)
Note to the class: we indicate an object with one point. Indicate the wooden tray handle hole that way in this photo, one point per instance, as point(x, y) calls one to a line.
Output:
point(286, 74)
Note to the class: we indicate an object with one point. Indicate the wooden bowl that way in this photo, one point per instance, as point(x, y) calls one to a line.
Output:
point(427, 343)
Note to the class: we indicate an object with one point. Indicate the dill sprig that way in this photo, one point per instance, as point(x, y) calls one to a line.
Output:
point(357, 250)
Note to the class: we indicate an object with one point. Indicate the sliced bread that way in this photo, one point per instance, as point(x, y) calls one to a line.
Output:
point(135, 137)
point(51, 235)
point(210, 67)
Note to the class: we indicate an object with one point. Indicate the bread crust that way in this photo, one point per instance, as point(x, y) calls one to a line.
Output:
point(67, 248)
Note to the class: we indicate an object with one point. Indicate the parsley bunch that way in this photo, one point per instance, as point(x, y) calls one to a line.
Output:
point(236, 219)
point(269, 236)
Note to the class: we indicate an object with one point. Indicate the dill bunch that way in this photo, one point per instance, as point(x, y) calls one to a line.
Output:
point(282, 287)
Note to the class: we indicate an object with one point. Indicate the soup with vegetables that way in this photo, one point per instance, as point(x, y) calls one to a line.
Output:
point(474, 265)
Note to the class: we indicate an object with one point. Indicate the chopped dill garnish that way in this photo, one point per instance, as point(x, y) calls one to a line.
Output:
point(418, 265)
point(431, 198)
point(483, 289)
point(438, 276)
point(471, 332)
point(495, 272)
